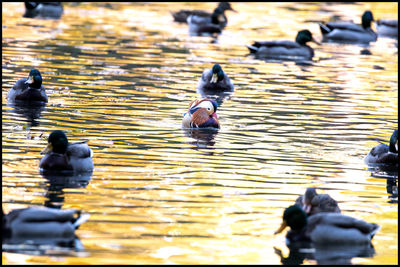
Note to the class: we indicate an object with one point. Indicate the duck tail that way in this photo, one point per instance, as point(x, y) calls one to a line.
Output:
point(324, 28)
point(375, 230)
point(81, 219)
point(252, 49)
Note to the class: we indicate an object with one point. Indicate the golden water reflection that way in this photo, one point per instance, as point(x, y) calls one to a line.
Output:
point(121, 76)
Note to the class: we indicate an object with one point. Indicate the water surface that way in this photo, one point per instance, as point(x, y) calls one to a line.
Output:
point(121, 75)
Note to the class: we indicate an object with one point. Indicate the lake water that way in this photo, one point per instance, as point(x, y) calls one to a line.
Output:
point(121, 75)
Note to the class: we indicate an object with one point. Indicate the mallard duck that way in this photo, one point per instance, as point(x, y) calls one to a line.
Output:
point(207, 26)
point(63, 156)
point(348, 32)
point(42, 222)
point(214, 81)
point(313, 203)
point(50, 10)
point(182, 15)
point(201, 114)
point(284, 49)
point(386, 154)
point(326, 228)
point(28, 89)
point(387, 27)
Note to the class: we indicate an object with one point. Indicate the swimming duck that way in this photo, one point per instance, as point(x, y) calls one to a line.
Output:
point(313, 203)
point(214, 81)
point(206, 26)
point(348, 32)
point(49, 10)
point(63, 156)
point(182, 15)
point(326, 228)
point(283, 49)
point(28, 89)
point(387, 27)
point(42, 222)
point(386, 154)
point(201, 114)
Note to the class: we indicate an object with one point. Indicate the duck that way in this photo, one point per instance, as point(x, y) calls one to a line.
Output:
point(60, 155)
point(313, 203)
point(385, 154)
point(207, 26)
point(348, 32)
point(387, 28)
point(46, 10)
point(182, 15)
point(201, 114)
point(214, 81)
point(284, 49)
point(326, 228)
point(42, 222)
point(28, 90)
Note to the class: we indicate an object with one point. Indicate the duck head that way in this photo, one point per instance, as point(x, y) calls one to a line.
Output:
point(57, 143)
point(34, 79)
point(294, 217)
point(393, 145)
point(366, 19)
point(226, 6)
point(307, 200)
point(218, 17)
point(217, 74)
point(201, 114)
point(305, 36)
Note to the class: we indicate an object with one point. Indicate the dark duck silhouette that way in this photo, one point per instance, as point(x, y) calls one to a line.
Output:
point(313, 203)
point(60, 155)
point(207, 26)
point(46, 10)
point(201, 114)
point(183, 15)
point(41, 222)
point(28, 90)
point(348, 32)
point(326, 228)
point(284, 49)
point(385, 154)
point(214, 81)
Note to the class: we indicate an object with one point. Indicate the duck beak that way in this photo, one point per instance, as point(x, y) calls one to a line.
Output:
point(283, 226)
point(30, 80)
point(315, 41)
point(214, 78)
point(47, 149)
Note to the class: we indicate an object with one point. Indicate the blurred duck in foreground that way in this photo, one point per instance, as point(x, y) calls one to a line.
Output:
point(348, 32)
point(207, 26)
point(29, 89)
point(326, 228)
point(60, 155)
point(385, 154)
point(387, 27)
point(47, 10)
point(201, 114)
point(183, 15)
point(284, 49)
point(41, 222)
point(313, 203)
point(214, 81)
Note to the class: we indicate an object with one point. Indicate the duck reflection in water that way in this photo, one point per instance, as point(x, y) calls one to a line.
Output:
point(57, 182)
point(31, 111)
point(203, 138)
point(326, 255)
point(42, 230)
